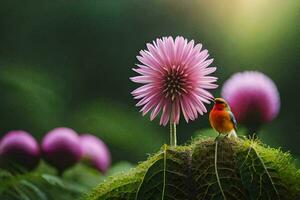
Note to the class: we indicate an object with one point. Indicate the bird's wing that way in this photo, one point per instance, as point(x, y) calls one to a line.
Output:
point(232, 118)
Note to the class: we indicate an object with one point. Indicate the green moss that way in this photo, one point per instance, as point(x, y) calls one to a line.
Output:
point(131, 179)
point(231, 169)
point(128, 183)
point(281, 162)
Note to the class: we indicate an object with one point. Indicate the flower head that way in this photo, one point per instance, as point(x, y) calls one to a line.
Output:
point(95, 152)
point(61, 148)
point(175, 77)
point(18, 148)
point(253, 98)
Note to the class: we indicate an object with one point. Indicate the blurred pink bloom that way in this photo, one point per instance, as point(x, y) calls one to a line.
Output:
point(253, 98)
point(61, 148)
point(175, 77)
point(95, 152)
point(18, 147)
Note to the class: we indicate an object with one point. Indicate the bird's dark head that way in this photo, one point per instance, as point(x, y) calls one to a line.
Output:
point(220, 103)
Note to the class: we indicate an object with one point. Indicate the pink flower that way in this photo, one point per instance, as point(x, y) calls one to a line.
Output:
point(253, 98)
point(19, 149)
point(95, 152)
point(174, 74)
point(61, 148)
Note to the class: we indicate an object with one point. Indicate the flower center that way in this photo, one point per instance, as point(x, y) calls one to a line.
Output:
point(175, 82)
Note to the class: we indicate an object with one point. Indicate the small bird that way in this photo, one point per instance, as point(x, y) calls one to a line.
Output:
point(222, 119)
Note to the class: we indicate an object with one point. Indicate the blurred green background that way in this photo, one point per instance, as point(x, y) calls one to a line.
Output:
point(68, 63)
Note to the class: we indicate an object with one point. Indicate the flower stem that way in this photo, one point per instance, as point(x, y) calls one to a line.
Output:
point(173, 137)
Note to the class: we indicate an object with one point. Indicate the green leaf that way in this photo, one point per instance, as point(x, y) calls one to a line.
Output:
point(259, 177)
point(121, 186)
point(167, 178)
point(124, 188)
point(53, 180)
point(39, 194)
point(206, 169)
point(37, 186)
point(214, 171)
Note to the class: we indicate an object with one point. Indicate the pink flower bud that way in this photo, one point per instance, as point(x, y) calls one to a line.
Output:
point(95, 152)
point(19, 149)
point(61, 148)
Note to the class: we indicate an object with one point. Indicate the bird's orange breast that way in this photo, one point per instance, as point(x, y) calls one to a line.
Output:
point(220, 121)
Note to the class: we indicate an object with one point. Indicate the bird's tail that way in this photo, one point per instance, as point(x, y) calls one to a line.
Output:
point(232, 134)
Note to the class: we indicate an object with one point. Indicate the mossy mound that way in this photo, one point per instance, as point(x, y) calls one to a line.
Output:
point(229, 169)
